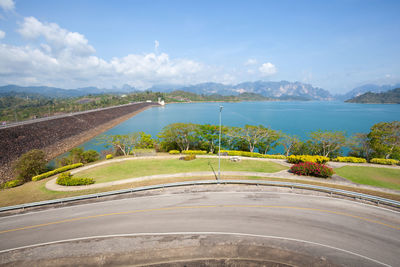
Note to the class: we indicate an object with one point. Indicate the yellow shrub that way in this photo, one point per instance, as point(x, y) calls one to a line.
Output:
point(307, 158)
point(384, 161)
point(350, 159)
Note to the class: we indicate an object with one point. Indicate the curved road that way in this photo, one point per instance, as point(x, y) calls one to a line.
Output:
point(342, 231)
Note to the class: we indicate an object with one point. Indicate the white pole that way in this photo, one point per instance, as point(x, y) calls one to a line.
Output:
point(219, 150)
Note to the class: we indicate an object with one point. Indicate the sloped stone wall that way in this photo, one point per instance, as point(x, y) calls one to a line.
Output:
point(17, 140)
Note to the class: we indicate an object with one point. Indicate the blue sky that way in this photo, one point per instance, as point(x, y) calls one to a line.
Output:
point(335, 45)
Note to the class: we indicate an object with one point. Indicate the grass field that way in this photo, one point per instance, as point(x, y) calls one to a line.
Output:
point(380, 177)
point(143, 167)
point(36, 191)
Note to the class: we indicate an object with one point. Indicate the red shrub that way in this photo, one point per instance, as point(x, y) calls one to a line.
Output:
point(312, 169)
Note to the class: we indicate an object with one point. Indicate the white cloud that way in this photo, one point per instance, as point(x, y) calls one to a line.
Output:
point(250, 61)
point(7, 5)
point(2, 34)
point(57, 57)
point(267, 69)
point(61, 40)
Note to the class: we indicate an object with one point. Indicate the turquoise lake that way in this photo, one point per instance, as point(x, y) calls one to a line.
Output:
point(298, 118)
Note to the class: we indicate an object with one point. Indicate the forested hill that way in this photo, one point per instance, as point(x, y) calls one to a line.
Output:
point(389, 97)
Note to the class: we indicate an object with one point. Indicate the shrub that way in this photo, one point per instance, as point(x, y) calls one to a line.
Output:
point(384, 161)
point(350, 159)
point(30, 164)
point(307, 158)
point(312, 169)
point(12, 183)
point(67, 179)
point(56, 171)
point(189, 157)
point(109, 156)
point(90, 156)
point(172, 152)
point(195, 152)
point(274, 156)
point(251, 154)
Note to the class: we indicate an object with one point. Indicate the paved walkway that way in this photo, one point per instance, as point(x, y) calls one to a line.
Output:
point(52, 185)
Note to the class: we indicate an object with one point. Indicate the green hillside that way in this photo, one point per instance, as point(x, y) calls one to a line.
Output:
point(389, 97)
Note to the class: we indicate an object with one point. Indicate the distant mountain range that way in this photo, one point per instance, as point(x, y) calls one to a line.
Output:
point(282, 90)
point(389, 97)
point(275, 90)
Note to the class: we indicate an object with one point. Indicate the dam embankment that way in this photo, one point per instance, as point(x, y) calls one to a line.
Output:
point(59, 134)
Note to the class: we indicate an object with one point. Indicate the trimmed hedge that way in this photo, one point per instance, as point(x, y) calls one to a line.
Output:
point(189, 157)
point(174, 152)
point(312, 169)
point(109, 156)
point(350, 159)
point(12, 183)
point(195, 152)
point(384, 161)
point(56, 171)
point(252, 154)
point(307, 158)
point(68, 180)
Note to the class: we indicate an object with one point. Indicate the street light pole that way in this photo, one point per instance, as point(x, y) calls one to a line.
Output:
point(219, 150)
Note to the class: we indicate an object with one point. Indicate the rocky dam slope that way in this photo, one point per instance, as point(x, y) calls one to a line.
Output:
point(59, 134)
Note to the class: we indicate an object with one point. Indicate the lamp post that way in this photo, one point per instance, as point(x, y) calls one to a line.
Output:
point(219, 150)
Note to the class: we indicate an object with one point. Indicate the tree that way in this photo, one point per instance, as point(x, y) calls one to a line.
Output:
point(251, 135)
point(210, 135)
point(384, 139)
point(179, 134)
point(269, 141)
point(360, 146)
point(122, 144)
point(90, 156)
point(328, 144)
point(289, 143)
point(30, 164)
point(145, 141)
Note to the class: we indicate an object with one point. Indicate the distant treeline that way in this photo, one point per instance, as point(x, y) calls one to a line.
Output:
point(25, 106)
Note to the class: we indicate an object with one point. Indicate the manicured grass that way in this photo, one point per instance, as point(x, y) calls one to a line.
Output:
point(36, 191)
point(144, 167)
point(380, 177)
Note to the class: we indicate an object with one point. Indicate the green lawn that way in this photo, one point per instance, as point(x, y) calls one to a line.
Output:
point(381, 177)
point(143, 167)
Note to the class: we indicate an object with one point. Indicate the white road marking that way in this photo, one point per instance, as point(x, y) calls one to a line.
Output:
point(197, 233)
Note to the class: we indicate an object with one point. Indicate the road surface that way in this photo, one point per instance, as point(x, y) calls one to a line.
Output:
point(326, 229)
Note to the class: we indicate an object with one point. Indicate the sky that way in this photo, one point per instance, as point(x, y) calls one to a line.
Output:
point(335, 45)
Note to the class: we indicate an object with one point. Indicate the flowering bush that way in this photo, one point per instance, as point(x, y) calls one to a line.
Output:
point(67, 179)
point(109, 156)
point(307, 158)
point(174, 152)
point(384, 161)
point(251, 154)
point(56, 171)
point(312, 169)
point(350, 159)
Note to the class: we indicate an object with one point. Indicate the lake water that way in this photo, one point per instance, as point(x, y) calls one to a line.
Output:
point(298, 118)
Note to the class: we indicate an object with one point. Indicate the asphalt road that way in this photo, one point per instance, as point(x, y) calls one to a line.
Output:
point(369, 234)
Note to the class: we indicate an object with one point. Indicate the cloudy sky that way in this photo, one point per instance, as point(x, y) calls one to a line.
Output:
point(336, 45)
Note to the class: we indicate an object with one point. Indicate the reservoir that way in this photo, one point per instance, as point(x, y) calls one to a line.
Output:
point(299, 118)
